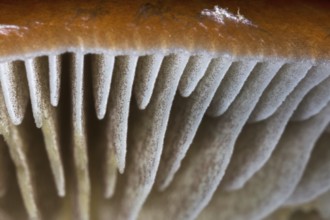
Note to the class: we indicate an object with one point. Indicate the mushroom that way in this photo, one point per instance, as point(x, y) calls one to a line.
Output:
point(164, 110)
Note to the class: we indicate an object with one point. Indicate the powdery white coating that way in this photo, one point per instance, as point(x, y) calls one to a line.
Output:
point(257, 141)
point(205, 166)
point(191, 188)
point(194, 71)
point(77, 75)
point(119, 103)
point(274, 183)
point(54, 78)
point(316, 178)
point(220, 15)
point(83, 191)
point(14, 89)
point(102, 68)
point(33, 78)
point(146, 73)
point(186, 118)
point(283, 84)
point(37, 71)
point(313, 102)
point(8, 29)
point(230, 87)
point(147, 141)
point(8, 26)
point(43, 112)
point(50, 127)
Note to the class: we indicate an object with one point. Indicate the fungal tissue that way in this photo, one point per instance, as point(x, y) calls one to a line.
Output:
point(220, 15)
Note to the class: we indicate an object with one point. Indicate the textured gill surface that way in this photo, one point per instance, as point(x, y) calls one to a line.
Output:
point(162, 136)
point(253, 149)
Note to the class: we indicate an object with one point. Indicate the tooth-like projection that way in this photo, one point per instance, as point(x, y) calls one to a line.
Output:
point(200, 178)
point(14, 89)
point(148, 136)
point(18, 152)
point(313, 102)
point(46, 116)
point(274, 183)
point(316, 178)
point(102, 74)
point(257, 141)
point(162, 131)
point(146, 73)
point(120, 96)
point(50, 130)
point(194, 71)
point(35, 68)
point(282, 85)
point(79, 141)
point(54, 78)
point(230, 87)
point(185, 121)
point(18, 148)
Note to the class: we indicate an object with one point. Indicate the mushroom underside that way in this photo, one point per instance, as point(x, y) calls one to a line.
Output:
point(163, 136)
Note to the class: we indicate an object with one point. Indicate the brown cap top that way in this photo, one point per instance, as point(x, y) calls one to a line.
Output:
point(263, 28)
